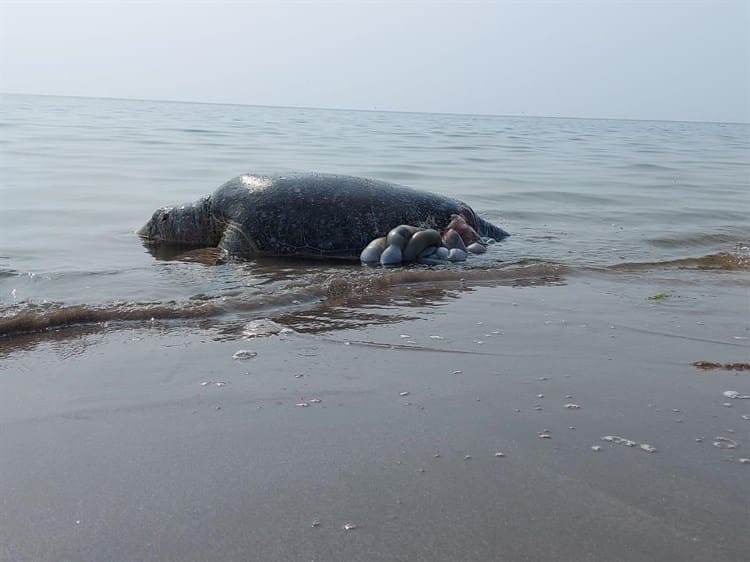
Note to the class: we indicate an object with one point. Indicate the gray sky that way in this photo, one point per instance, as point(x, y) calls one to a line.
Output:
point(686, 60)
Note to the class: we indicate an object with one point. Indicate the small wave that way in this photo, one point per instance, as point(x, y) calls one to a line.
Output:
point(461, 147)
point(564, 197)
point(648, 167)
point(723, 261)
point(154, 142)
point(518, 273)
point(199, 131)
point(342, 289)
point(698, 240)
point(60, 316)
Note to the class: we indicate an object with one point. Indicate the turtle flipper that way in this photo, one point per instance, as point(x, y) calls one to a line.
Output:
point(236, 242)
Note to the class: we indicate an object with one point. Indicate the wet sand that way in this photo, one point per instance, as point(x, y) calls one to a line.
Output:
point(113, 449)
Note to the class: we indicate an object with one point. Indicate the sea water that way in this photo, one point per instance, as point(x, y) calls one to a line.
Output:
point(79, 176)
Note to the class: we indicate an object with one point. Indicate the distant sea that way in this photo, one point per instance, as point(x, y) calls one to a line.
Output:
point(78, 176)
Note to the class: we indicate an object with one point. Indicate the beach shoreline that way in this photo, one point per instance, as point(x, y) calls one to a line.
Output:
point(450, 432)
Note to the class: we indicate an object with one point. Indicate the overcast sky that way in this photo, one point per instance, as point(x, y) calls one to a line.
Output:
point(686, 60)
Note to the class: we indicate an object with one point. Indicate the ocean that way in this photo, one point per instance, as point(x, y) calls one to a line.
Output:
point(580, 197)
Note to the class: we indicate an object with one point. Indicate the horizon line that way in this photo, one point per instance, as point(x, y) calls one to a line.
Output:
point(376, 110)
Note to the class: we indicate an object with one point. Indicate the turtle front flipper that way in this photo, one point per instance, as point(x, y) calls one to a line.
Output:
point(236, 242)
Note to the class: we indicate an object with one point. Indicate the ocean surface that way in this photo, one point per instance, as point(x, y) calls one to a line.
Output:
point(78, 177)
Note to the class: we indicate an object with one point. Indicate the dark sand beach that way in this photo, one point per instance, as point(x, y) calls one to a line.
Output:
point(113, 448)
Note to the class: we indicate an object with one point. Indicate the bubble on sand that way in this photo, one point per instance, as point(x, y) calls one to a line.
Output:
point(745, 417)
point(457, 372)
point(349, 526)
point(596, 448)
point(404, 393)
point(736, 395)
point(303, 404)
point(544, 435)
point(315, 401)
point(244, 354)
point(315, 524)
point(617, 440)
point(540, 395)
point(724, 443)
point(499, 454)
point(467, 457)
point(405, 336)
point(744, 461)
point(437, 337)
point(572, 406)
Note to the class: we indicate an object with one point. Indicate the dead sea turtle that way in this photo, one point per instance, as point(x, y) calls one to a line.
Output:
point(304, 215)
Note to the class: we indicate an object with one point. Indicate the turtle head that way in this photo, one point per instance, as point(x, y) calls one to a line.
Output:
point(186, 225)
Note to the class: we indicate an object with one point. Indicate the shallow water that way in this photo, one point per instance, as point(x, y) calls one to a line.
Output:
point(79, 176)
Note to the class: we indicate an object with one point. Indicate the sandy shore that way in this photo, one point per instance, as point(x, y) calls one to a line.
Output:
point(114, 449)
